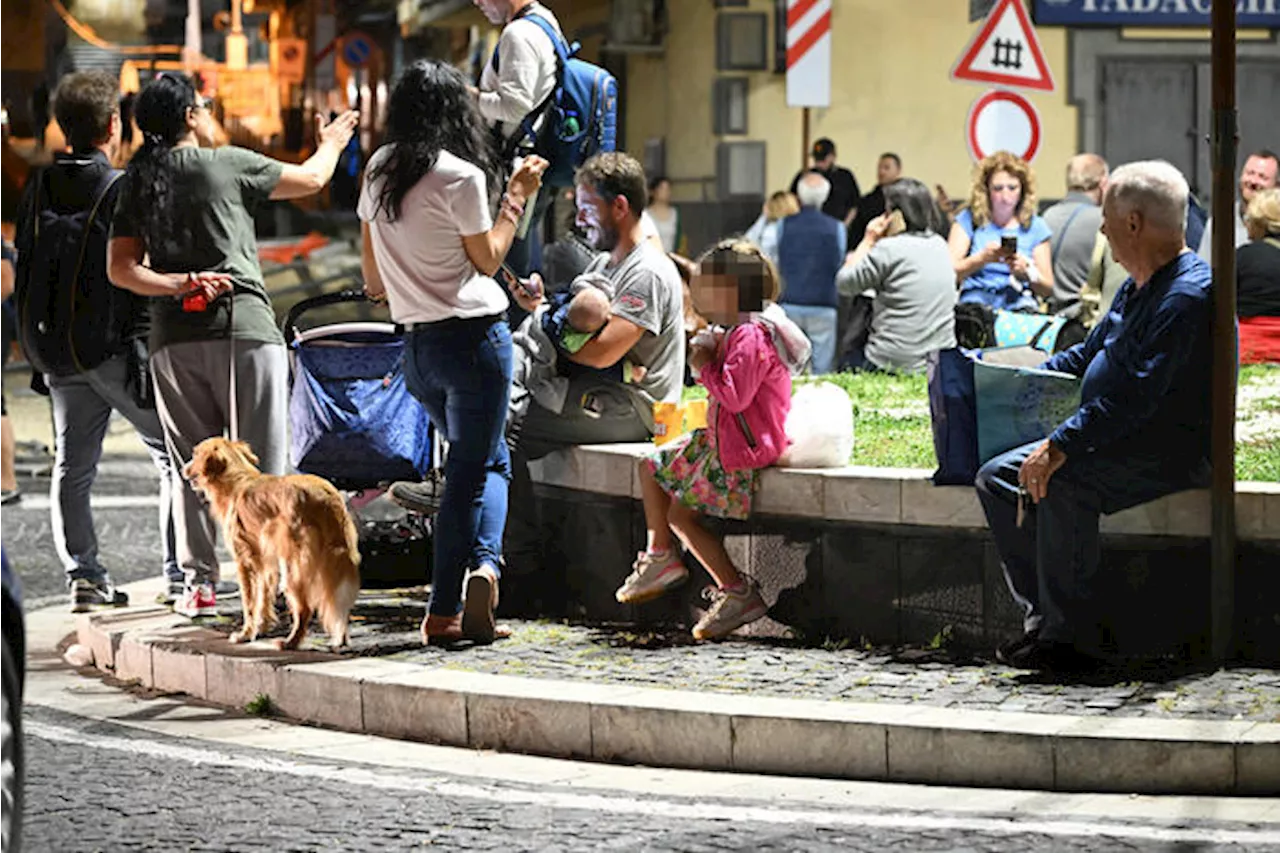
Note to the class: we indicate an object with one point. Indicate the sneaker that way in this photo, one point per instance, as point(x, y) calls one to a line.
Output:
point(226, 589)
point(10, 496)
point(87, 594)
point(651, 576)
point(417, 497)
point(730, 610)
point(196, 601)
point(172, 593)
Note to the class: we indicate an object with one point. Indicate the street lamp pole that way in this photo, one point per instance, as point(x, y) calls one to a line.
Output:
point(1222, 543)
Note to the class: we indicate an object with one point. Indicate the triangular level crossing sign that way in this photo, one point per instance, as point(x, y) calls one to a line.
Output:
point(1005, 51)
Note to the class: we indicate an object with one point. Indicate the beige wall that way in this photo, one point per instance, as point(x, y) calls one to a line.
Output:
point(891, 92)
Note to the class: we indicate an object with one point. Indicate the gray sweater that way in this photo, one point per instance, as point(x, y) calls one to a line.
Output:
point(915, 298)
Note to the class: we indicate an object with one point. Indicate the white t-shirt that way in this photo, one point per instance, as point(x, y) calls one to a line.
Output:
point(649, 228)
point(526, 72)
point(667, 228)
point(420, 255)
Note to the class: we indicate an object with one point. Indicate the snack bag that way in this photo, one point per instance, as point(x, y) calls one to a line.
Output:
point(672, 420)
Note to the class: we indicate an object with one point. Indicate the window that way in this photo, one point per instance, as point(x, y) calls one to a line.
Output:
point(742, 41)
point(730, 102)
point(655, 156)
point(740, 169)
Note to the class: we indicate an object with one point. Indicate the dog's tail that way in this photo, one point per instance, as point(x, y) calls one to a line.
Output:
point(352, 536)
point(335, 613)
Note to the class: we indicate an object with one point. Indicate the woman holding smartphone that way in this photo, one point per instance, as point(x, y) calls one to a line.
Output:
point(431, 249)
point(903, 258)
point(999, 245)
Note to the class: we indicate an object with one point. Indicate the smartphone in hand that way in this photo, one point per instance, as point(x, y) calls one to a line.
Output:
point(1009, 245)
point(529, 286)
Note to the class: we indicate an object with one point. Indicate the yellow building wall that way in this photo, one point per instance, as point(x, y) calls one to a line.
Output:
point(891, 91)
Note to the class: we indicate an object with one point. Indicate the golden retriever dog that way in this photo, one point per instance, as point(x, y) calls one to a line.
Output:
point(295, 527)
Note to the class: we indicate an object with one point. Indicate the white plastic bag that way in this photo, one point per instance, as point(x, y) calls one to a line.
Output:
point(820, 426)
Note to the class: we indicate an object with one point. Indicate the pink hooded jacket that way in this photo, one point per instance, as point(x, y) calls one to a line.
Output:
point(750, 389)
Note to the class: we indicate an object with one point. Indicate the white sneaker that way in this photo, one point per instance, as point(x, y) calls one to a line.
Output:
point(651, 576)
point(730, 610)
point(198, 600)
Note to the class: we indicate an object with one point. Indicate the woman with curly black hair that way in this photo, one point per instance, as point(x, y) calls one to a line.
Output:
point(186, 209)
point(431, 248)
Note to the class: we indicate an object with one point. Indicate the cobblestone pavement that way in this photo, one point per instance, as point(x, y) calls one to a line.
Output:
point(111, 789)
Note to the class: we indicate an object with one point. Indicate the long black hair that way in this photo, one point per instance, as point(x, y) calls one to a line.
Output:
point(919, 210)
point(161, 113)
point(429, 111)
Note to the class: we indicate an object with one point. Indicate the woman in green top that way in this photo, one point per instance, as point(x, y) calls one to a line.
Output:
point(186, 209)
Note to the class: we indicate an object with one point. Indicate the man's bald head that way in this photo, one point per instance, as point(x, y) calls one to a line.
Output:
point(1086, 173)
point(813, 190)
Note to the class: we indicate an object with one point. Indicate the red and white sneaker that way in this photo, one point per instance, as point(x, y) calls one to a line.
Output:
point(198, 600)
point(652, 574)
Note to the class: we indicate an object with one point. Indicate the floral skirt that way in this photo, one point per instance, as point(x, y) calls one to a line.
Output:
point(689, 470)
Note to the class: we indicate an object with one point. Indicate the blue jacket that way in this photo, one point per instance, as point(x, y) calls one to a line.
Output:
point(1146, 369)
point(811, 247)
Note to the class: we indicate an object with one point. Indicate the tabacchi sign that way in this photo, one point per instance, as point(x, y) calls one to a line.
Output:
point(1150, 13)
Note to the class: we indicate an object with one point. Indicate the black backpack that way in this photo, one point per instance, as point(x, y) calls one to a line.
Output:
point(70, 317)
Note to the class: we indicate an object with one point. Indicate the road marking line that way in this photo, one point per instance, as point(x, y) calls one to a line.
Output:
point(654, 807)
point(41, 503)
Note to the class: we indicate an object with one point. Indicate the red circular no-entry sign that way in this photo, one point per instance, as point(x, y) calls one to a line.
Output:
point(1003, 121)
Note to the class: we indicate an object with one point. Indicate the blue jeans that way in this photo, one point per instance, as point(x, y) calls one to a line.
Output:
point(1051, 562)
point(460, 370)
point(82, 406)
point(819, 324)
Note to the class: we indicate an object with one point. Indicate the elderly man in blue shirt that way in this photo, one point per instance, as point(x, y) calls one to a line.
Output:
point(1142, 429)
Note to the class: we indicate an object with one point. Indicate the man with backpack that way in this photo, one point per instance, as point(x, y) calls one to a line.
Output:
point(542, 99)
point(85, 337)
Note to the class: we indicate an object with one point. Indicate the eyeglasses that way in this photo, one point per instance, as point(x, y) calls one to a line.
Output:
point(203, 103)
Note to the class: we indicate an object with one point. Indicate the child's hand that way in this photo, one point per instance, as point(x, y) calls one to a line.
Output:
point(700, 357)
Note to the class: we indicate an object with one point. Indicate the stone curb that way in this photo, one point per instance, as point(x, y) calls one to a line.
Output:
point(682, 729)
point(903, 496)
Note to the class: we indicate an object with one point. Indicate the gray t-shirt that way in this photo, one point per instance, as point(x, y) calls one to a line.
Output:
point(914, 310)
point(650, 294)
point(1074, 222)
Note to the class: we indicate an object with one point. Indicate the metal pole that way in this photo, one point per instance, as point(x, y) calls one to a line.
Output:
point(804, 155)
point(1222, 543)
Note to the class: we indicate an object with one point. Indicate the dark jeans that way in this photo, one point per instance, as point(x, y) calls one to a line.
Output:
point(1051, 562)
point(461, 372)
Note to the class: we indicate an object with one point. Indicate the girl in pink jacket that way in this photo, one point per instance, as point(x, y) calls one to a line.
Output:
point(745, 361)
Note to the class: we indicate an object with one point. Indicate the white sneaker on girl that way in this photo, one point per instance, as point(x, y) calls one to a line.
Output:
point(652, 574)
point(730, 610)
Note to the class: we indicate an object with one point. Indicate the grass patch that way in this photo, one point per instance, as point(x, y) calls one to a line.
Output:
point(260, 706)
point(892, 428)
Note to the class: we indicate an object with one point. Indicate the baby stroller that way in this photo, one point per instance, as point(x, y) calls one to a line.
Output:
point(353, 422)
